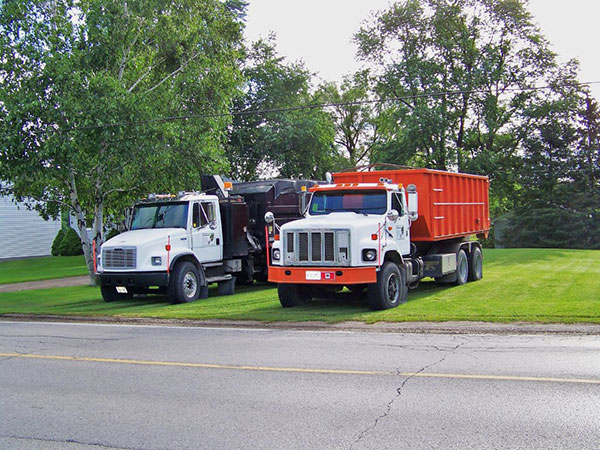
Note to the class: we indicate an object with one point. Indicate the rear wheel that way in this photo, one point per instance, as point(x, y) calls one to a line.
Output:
point(185, 283)
point(110, 294)
point(476, 265)
point(462, 268)
point(293, 295)
point(390, 289)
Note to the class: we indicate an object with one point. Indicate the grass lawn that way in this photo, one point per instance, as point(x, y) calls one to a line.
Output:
point(533, 285)
point(45, 268)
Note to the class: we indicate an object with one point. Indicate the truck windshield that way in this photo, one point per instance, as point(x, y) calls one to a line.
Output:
point(361, 202)
point(160, 215)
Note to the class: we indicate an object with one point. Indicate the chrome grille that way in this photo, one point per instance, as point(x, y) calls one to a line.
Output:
point(329, 247)
point(317, 247)
point(303, 244)
point(119, 258)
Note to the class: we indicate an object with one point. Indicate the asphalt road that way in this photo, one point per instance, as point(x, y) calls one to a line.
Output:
point(80, 386)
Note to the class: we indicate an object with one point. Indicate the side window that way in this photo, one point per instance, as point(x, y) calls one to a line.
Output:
point(397, 204)
point(209, 212)
point(196, 215)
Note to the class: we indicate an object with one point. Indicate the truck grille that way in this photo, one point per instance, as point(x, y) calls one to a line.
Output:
point(119, 258)
point(317, 247)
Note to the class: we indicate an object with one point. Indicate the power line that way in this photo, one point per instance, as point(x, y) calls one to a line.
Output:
point(249, 112)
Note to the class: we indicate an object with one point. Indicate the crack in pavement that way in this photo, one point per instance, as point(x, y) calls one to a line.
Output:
point(54, 340)
point(372, 427)
point(69, 441)
point(37, 350)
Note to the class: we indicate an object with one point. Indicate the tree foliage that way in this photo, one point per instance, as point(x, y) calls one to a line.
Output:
point(354, 116)
point(558, 203)
point(70, 67)
point(283, 139)
point(458, 74)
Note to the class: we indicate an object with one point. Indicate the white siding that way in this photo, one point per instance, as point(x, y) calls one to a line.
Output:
point(24, 233)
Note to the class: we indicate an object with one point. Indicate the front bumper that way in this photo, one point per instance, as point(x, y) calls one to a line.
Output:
point(325, 275)
point(134, 279)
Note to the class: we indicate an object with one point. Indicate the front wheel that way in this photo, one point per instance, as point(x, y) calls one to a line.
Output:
point(185, 283)
point(293, 295)
point(390, 289)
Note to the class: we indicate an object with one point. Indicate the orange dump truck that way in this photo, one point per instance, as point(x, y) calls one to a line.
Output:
point(382, 232)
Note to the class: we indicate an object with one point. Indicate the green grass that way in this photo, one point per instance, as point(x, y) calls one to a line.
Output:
point(532, 285)
point(45, 268)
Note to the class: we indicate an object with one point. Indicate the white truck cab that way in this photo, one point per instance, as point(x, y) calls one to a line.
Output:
point(171, 242)
point(348, 232)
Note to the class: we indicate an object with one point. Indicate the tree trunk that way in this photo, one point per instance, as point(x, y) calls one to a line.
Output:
point(81, 227)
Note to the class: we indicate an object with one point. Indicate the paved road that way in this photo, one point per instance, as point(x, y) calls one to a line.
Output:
point(79, 386)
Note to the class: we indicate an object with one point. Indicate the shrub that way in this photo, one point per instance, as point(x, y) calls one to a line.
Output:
point(70, 244)
point(56, 243)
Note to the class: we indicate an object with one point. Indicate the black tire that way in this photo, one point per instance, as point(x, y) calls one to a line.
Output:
point(390, 290)
point(185, 283)
point(476, 265)
point(110, 294)
point(462, 268)
point(291, 295)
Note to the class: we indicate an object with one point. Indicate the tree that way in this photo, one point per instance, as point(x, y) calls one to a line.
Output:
point(456, 73)
point(559, 203)
point(287, 137)
point(354, 117)
point(87, 87)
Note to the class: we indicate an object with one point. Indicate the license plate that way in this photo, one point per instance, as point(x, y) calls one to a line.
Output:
point(316, 275)
point(121, 290)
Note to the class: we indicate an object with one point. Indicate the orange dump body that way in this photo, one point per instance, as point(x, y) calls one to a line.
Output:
point(451, 205)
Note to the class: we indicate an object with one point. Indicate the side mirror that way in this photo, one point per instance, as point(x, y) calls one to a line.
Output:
point(413, 202)
point(392, 215)
point(269, 217)
point(213, 225)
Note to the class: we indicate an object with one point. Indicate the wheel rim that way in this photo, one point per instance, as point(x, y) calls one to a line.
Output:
point(393, 288)
point(463, 269)
point(190, 284)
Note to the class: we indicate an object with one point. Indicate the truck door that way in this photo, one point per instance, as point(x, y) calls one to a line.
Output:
point(402, 229)
point(207, 238)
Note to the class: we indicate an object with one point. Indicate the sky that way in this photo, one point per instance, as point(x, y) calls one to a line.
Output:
point(319, 32)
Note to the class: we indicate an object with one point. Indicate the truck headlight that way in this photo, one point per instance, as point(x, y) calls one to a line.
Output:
point(276, 254)
point(369, 254)
point(156, 261)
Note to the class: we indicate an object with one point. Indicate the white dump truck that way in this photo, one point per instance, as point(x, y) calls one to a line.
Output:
point(179, 244)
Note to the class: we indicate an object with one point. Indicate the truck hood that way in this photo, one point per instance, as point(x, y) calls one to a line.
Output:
point(146, 236)
point(346, 220)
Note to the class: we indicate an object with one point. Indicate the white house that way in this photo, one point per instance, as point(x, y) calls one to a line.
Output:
point(24, 233)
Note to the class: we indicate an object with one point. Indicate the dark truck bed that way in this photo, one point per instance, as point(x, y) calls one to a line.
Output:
point(243, 217)
point(282, 197)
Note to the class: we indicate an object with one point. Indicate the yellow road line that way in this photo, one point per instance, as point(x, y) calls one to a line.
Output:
point(303, 370)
